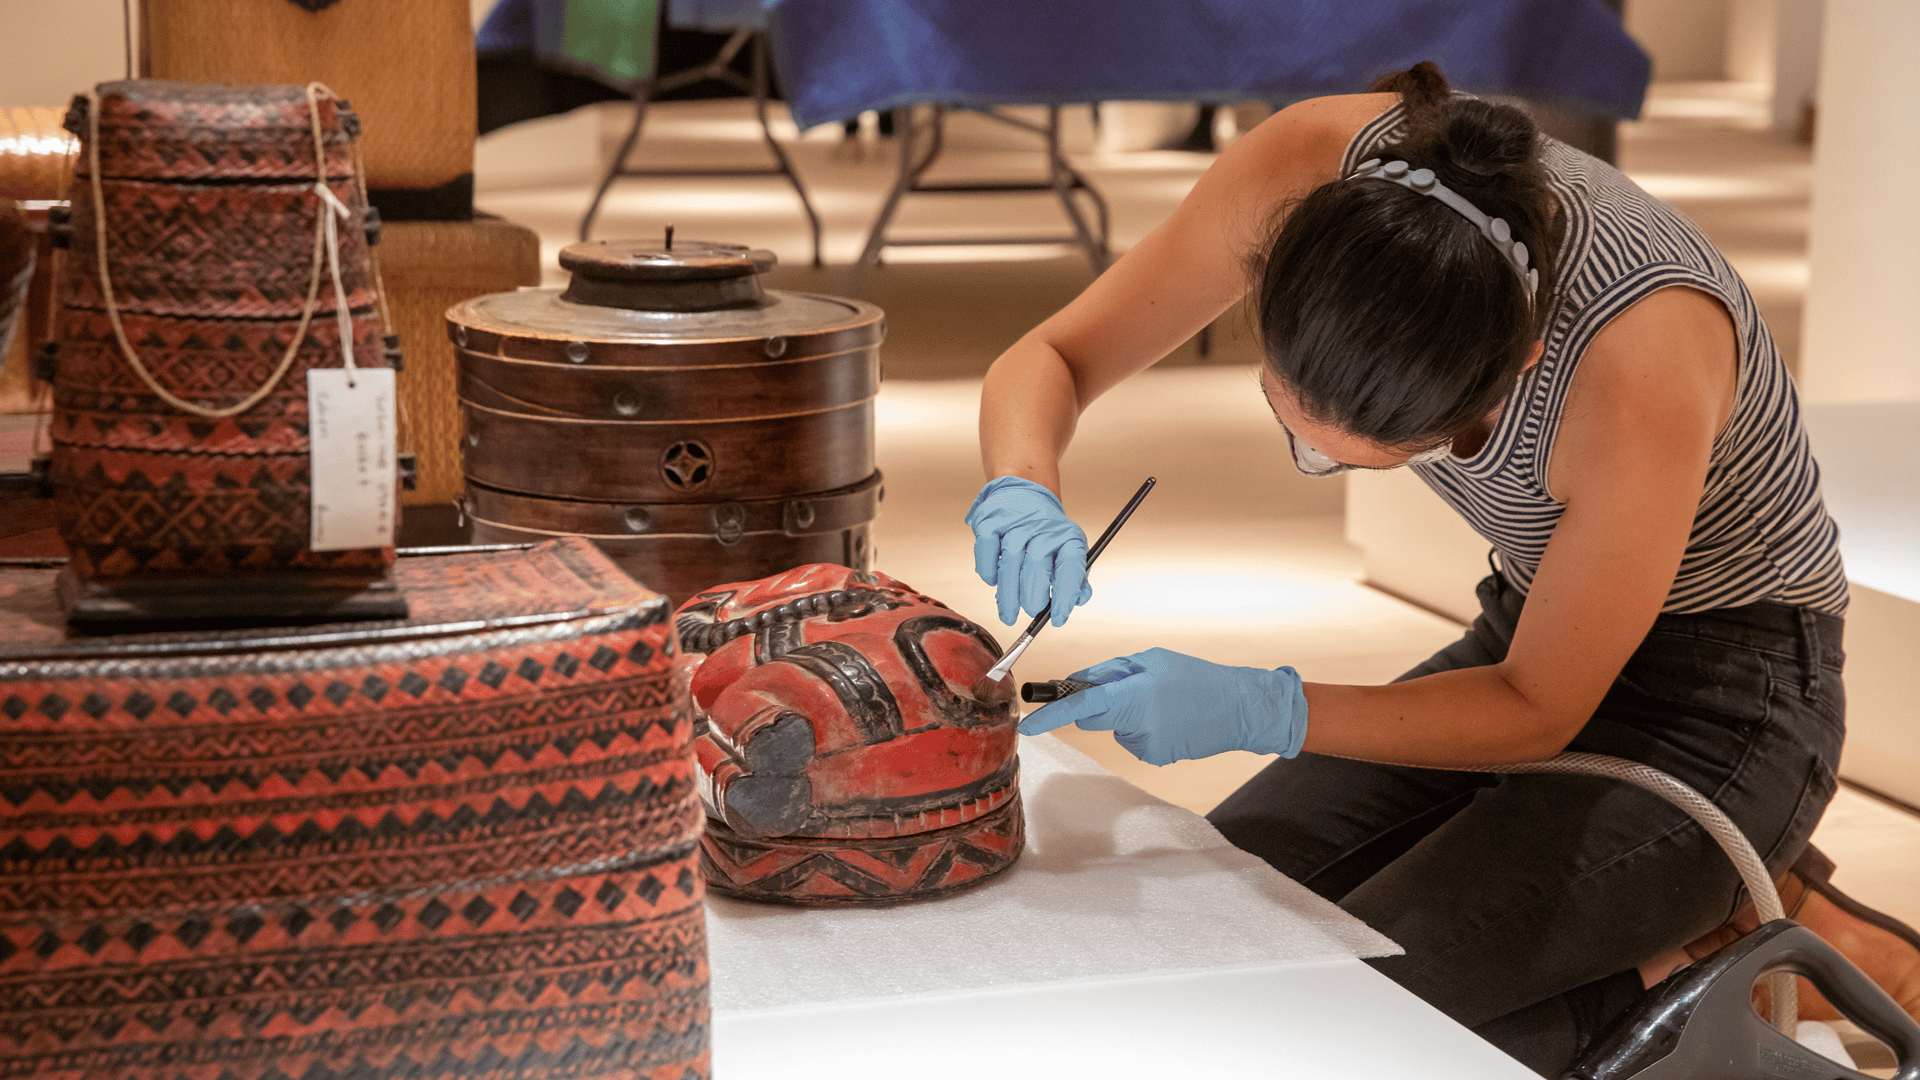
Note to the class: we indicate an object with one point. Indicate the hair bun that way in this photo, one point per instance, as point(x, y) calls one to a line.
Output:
point(1477, 137)
point(1487, 139)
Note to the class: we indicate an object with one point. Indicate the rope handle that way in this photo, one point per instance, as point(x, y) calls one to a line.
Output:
point(325, 242)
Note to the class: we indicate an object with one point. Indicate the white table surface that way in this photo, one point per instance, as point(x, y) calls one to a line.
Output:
point(1324, 1020)
point(1129, 940)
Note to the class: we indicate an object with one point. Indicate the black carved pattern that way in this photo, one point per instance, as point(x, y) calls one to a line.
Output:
point(909, 637)
point(776, 640)
point(702, 631)
point(861, 689)
point(854, 817)
point(824, 873)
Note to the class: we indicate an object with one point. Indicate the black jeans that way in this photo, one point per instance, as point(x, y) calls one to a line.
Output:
point(1525, 903)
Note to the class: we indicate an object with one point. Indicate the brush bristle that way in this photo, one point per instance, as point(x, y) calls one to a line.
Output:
point(994, 692)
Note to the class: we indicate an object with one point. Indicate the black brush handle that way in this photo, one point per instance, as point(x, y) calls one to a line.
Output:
point(1099, 546)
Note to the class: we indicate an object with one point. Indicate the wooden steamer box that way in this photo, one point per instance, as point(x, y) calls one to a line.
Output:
point(698, 428)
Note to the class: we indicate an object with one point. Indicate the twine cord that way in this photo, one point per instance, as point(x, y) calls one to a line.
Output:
point(339, 211)
point(331, 223)
point(322, 227)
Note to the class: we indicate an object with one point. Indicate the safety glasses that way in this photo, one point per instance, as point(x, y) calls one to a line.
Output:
point(1312, 462)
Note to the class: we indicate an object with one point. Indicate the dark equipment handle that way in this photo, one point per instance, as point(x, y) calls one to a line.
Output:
point(1099, 546)
point(1701, 1022)
point(1052, 690)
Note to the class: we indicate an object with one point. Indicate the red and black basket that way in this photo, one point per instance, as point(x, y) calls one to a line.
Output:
point(207, 204)
point(462, 844)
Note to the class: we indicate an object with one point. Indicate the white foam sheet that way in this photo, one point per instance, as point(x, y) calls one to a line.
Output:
point(1113, 883)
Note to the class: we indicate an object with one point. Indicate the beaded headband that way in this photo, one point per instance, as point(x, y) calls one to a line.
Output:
point(1496, 230)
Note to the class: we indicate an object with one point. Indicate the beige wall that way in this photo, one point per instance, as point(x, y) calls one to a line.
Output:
point(51, 50)
point(1862, 331)
point(1750, 40)
point(1687, 39)
point(1796, 60)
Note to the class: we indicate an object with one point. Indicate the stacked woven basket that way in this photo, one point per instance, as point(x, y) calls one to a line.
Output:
point(180, 442)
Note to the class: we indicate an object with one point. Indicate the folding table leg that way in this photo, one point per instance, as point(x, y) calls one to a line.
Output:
point(1062, 179)
point(906, 127)
point(618, 165)
point(1065, 179)
point(718, 69)
point(766, 131)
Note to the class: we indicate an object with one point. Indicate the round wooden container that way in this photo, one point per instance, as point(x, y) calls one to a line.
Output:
point(697, 427)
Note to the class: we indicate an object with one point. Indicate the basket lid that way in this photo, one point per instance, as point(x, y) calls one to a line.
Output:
point(640, 275)
point(560, 588)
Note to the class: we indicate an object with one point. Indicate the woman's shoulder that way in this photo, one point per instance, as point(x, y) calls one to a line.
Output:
point(1341, 112)
point(1322, 126)
point(1287, 155)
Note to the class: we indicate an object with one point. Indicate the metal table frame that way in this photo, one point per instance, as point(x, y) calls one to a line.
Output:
point(1062, 179)
point(719, 69)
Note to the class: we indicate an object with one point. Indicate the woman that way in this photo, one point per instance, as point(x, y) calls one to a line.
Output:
point(1574, 368)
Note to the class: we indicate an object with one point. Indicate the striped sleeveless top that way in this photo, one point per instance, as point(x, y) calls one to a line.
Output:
point(1761, 531)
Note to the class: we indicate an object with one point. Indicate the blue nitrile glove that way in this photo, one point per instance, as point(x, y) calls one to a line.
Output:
point(1024, 546)
point(1165, 706)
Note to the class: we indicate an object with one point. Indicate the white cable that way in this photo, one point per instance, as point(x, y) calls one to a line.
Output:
point(1753, 872)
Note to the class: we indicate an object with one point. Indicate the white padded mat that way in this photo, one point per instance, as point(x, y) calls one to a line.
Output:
point(1114, 883)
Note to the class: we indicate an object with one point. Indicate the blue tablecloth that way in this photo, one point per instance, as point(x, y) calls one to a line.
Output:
point(840, 57)
point(717, 14)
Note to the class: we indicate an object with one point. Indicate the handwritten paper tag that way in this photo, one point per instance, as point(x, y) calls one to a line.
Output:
point(350, 429)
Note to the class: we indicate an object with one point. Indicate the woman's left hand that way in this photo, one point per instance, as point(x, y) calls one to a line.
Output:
point(1165, 706)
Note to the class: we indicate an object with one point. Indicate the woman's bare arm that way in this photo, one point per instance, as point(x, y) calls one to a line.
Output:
point(1159, 294)
point(1653, 391)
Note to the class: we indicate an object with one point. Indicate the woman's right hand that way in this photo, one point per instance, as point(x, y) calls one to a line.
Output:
point(1158, 295)
point(1027, 549)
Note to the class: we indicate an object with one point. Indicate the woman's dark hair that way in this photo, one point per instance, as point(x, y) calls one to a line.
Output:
point(1388, 314)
